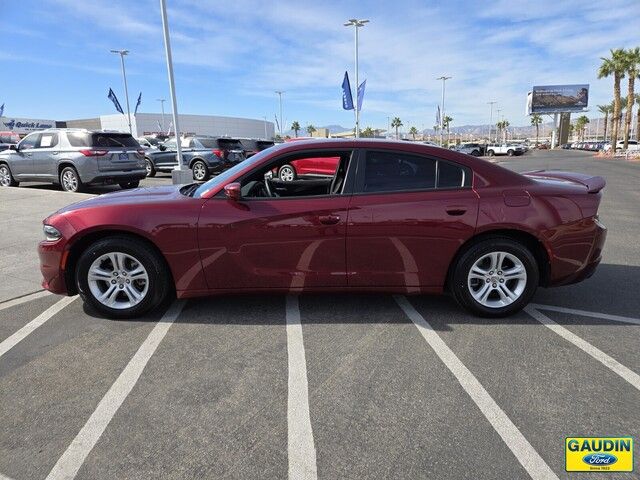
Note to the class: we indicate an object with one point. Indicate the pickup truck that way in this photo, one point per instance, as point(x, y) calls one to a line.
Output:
point(504, 149)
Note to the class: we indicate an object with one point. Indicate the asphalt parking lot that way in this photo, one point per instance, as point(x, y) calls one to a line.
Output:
point(327, 386)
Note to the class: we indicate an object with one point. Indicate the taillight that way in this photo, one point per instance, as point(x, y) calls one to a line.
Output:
point(140, 153)
point(217, 152)
point(94, 153)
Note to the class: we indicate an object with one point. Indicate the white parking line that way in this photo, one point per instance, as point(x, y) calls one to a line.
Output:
point(4, 477)
point(21, 334)
point(585, 313)
point(528, 457)
point(72, 459)
point(302, 451)
point(615, 366)
point(25, 299)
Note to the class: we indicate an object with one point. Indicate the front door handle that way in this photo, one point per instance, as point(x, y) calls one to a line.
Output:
point(456, 211)
point(329, 219)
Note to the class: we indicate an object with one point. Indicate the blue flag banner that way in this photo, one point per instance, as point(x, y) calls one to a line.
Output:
point(438, 116)
point(361, 94)
point(114, 99)
point(138, 103)
point(277, 124)
point(2, 110)
point(347, 99)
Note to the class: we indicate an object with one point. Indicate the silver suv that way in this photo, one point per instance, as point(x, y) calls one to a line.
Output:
point(74, 158)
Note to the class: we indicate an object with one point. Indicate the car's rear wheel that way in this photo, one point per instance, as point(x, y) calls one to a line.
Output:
point(6, 178)
point(510, 153)
point(151, 170)
point(200, 171)
point(122, 277)
point(495, 277)
point(475, 153)
point(287, 173)
point(70, 180)
point(129, 185)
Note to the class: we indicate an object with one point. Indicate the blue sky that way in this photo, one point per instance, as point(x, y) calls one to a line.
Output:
point(231, 56)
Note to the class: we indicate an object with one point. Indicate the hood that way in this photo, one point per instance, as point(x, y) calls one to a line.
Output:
point(129, 197)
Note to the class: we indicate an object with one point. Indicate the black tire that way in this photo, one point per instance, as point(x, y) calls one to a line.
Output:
point(6, 177)
point(70, 180)
point(510, 153)
point(475, 153)
point(151, 169)
point(200, 171)
point(129, 185)
point(157, 270)
point(459, 283)
point(288, 172)
point(491, 153)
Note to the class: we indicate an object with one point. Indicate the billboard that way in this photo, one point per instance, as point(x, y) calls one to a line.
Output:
point(23, 126)
point(559, 98)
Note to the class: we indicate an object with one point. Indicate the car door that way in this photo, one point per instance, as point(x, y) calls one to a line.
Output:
point(291, 243)
point(45, 157)
point(407, 218)
point(21, 161)
point(166, 159)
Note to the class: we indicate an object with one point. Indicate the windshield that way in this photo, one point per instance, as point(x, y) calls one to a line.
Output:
point(225, 176)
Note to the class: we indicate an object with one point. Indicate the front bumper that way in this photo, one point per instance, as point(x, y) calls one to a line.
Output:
point(52, 259)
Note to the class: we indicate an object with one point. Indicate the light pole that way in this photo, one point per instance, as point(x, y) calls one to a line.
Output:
point(180, 174)
point(356, 24)
point(491, 103)
point(444, 79)
point(265, 127)
point(162, 100)
point(122, 53)
point(280, 92)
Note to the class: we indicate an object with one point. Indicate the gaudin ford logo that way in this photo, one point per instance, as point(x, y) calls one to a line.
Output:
point(599, 454)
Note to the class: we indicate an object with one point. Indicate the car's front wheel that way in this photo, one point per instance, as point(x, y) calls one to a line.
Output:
point(70, 180)
point(495, 277)
point(200, 171)
point(6, 178)
point(510, 153)
point(122, 277)
point(287, 173)
point(491, 153)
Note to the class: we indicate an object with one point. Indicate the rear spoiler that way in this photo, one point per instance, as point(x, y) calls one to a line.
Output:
point(593, 184)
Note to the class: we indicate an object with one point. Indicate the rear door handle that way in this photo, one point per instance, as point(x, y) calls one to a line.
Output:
point(329, 219)
point(456, 211)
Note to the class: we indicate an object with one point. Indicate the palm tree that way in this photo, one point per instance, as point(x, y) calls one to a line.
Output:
point(606, 110)
point(367, 133)
point(536, 120)
point(581, 124)
point(616, 66)
point(632, 71)
point(310, 130)
point(638, 118)
point(413, 131)
point(396, 123)
point(295, 126)
point(502, 129)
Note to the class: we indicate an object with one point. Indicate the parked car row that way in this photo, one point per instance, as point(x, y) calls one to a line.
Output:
point(593, 146)
point(509, 149)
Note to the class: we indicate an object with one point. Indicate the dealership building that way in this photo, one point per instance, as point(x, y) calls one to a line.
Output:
point(151, 123)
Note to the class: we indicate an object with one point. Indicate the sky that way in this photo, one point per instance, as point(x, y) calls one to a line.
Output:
point(230, 57)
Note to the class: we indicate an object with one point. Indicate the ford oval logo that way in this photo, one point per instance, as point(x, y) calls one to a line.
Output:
point(599, 459)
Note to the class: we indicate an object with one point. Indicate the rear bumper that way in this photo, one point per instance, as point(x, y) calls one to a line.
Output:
point(577, 252)
point(117, 177)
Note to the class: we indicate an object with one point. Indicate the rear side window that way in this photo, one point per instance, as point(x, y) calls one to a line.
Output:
point(208, 142)
point(452, 176)
point(228, 144)
point(77, 139)
point(390, 171)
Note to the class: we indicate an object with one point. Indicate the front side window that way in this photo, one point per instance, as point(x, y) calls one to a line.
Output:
point(30, 141)
point(48, 140)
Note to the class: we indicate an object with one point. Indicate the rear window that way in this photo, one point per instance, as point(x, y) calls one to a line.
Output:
point(229, 144)
point(263, 144)
point(208, 142)
point(102, 140)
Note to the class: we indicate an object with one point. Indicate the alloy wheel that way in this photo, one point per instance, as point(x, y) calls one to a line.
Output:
point(5, 176)
point(118, 280)
point(70, 181)
point(199, 171)
point(286, 174)
point(497, 279)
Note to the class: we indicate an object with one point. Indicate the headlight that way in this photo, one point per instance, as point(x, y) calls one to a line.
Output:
point(51, 234)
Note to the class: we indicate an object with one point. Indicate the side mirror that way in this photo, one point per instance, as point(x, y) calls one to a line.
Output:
point(13, 147)
point(162, 148)
point(233, 192)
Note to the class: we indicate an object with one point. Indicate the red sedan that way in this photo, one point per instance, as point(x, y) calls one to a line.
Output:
point(395, 217)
